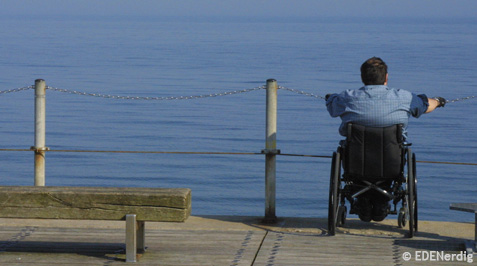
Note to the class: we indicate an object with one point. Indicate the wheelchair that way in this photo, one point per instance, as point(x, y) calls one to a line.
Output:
point(375, 161)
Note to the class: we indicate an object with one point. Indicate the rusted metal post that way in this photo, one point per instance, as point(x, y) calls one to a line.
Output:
point(40, 117)
point(271, 151)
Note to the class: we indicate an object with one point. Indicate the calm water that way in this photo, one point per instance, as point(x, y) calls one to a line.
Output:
point(174, 57)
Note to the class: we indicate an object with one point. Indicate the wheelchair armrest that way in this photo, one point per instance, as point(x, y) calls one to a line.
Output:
point(407, 144)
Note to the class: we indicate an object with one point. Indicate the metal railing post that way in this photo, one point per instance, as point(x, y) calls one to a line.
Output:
point(270, 151)
point(40, 117)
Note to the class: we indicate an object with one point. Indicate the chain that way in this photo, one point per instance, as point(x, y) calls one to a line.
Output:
point(301, 92)
point(186, 97)
point(321, 97)
point(460, 99)
point(16, 90)
point(108, 96)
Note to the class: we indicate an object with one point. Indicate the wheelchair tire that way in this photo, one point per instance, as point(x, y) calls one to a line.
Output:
point(333, 196)
point(415, 191)
point(411, 185)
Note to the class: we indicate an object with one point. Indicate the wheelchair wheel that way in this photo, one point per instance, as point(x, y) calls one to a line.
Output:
point(334, 193)
point(415, 191)
point(411, 196)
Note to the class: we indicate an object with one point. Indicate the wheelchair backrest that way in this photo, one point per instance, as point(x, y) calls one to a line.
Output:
point(373, 153)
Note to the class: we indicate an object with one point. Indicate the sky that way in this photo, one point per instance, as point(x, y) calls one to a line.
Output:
point(243, 8)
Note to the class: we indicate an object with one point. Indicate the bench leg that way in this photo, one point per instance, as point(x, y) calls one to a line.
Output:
point(141, 236)
point(135, 237)
point(131, 238)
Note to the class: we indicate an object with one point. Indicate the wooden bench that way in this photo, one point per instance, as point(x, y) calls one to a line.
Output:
point(471, 246)
point(135, 205)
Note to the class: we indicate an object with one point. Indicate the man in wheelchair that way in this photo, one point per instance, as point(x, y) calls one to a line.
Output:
point(375, 107)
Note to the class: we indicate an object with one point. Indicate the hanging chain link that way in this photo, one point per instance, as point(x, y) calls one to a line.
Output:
point(460, 99)
point(301, 92)
point(321, 97)
point(108, 96)
point(16, 90)
point(186, 97)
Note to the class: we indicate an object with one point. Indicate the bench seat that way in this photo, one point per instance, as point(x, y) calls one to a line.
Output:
point(135, 205)
point(471, 246)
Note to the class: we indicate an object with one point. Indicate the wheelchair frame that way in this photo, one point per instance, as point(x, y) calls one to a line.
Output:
point(403, 190)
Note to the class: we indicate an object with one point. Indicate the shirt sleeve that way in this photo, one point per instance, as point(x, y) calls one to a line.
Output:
point(419, 105)
point(335, 105)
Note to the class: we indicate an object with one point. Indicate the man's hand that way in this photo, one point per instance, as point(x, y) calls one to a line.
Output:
point(442, 102)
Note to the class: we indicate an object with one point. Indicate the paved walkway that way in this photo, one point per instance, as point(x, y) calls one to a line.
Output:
point(233, 241)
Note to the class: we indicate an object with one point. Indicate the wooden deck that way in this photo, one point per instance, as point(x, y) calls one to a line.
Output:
point(227, 241)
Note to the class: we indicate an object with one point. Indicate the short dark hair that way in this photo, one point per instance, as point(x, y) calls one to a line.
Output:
point(373, 71)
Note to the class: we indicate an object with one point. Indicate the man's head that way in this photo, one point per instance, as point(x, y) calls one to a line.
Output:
point(374, 72)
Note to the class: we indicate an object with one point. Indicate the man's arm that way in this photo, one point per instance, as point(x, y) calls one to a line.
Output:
point(435, 103)
point(421, 104)
point(334, 105)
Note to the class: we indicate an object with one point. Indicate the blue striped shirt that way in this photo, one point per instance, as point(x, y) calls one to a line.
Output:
point(376, 106)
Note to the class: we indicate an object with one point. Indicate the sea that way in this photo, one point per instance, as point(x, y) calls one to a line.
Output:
point(227, 61)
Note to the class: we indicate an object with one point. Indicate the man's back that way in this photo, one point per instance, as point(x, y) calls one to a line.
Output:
point(375, 106)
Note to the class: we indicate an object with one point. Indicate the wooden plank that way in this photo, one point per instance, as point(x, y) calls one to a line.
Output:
point(84, 246)
point(306, 249)
point(177, 247)
point(465, 207)
point(95, 203)
point(39, 258)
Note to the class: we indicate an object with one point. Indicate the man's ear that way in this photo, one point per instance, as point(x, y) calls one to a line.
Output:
point(386, 82)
